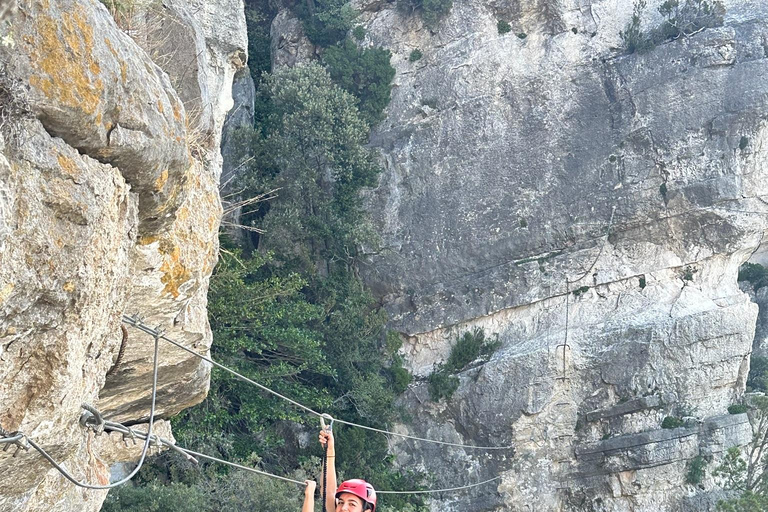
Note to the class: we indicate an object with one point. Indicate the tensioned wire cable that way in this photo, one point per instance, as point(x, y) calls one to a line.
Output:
point(144, 450)
point(433, 491)
point(127, 431)
point(135, 322)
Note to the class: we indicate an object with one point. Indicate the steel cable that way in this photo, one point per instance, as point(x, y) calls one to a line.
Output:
point(144, 450)
point(135, 322)
point(118, 427)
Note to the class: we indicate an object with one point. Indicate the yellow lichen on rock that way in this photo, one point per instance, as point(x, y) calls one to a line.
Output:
point(174, 272)
point(63, 60)
point(161, 180)
point(68, 166)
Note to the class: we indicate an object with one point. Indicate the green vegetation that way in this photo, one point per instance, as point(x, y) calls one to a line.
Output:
point(358, 32)
point(688, 272)
point(503, 27)
point(755, 273)
point(747, 502)
point(680, 18)
point(737, 409)
point(294, 314)
point(580, 291)
point(326, 22)
point(663, 191)
point(747, 473)
point(415, 55)
point(364, 73)
point(469, 347)
point(671, 422)
point(743, 142)
point(757, 380)
point(204, 490)
point(697, 470)
point(442, 384)
point(642, 283)
point(522, 35)
point(258, 17)
point(432, 11)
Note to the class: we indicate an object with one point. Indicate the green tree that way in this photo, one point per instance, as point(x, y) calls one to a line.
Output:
point(326, 22)
point(748, 473)
point(316, 139)
point(432, 11)
point(293, 314)
point(364, 72)
point(258, 19)
point(265, 329)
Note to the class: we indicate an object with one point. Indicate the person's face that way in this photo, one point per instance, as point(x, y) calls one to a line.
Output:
point(349, 503)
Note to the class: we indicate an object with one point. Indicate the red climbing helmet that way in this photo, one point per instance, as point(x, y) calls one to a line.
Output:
point(361, 489)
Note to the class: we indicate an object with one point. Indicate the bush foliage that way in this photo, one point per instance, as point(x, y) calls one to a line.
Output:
point(432, 11)
point(326, 22)
point(363, 72)
point(293, 314)
point(755, 274)
point(681, 18)
point(468, 347)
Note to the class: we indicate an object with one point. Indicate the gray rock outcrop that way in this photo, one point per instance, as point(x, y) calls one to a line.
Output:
point(523, 167)
point(109, 205)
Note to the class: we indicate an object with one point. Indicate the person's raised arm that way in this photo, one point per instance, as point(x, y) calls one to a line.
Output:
point(309, 496)
point(326, 439)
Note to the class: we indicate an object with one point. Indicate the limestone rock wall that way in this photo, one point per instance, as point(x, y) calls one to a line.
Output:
point(521, 167)
point(109, 204)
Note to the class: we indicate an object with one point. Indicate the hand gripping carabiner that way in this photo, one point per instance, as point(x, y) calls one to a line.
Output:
point(329, 426)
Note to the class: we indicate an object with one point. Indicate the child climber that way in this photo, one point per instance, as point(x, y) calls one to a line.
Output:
point(351, 496)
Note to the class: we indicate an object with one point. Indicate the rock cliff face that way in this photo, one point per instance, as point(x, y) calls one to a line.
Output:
point(522, 167)
point(109, 204)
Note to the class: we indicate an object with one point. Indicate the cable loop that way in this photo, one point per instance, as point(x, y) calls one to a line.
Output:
point(92, 413)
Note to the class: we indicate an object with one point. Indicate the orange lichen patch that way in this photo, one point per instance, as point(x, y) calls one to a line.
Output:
point(161, 181)
point(146, 240)
point(68, 165)
point(174, 272)
point(183, 214)
point(176, 111)
point(160, 106)
point(123, 71)
point(111, 48)
point(69, 286)
point(63, 57)
point(5, 291)
point(59, 243)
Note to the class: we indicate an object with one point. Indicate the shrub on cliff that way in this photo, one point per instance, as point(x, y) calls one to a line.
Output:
point(258, 19)
point(365, 73)
point(755, 274)
point(432, 11)
point(747, 473)
point(757, 380)
point(681, 18)
point(468, 347)
point(326, 22)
